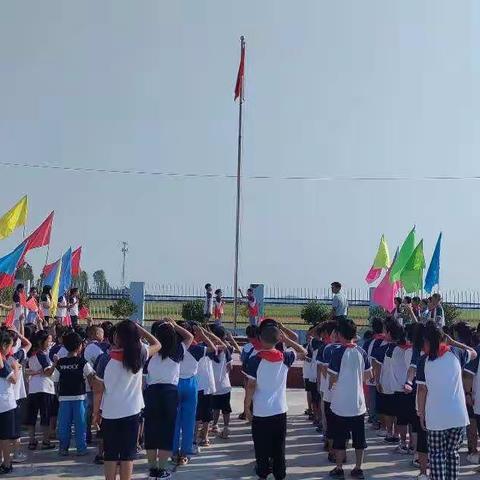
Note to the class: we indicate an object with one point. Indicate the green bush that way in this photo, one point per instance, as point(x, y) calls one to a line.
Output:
point(452, 312)
point(123, 308)
point(192, 311)
point(376, 312)
point(314, 312)
point(6, 295)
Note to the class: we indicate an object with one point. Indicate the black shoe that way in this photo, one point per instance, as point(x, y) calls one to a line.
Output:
point(48, 446)
point(392, 440)
point(98, 460)
point(153, 474)
point(357, 473)
point(337, 473)
point(5, 470)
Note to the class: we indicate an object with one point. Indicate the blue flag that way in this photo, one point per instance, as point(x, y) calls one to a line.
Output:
point(50, 278)
point(433, 273)
point(9, 263)
point(66, 275)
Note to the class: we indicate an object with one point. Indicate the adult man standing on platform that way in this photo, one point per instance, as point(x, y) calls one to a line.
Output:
point(339, 302)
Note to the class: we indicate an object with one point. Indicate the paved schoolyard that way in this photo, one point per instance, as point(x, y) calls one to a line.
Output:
point(233, 459)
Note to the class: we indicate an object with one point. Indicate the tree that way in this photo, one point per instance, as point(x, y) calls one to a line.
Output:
point(123, 308)
point(314, 312)
point(24, 273)
point(193, 311)
point(81, 282)
point(100, 280)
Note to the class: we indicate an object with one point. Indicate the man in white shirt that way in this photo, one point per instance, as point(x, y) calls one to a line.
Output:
point(339, 302)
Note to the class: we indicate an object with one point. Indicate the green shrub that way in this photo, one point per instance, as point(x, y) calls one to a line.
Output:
point(123, 308)
point(314, 312)
point(376, 312)
point(452, 312)
point(192, 311)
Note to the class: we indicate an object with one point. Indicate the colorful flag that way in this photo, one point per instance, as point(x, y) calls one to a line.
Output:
point(433, 272)
point(47, 269)
point(23, 299)
point(76, 257)
point(66, 276)
point(381, 261)
point(241, 73)
point(32, 305)
point(14, 218)
point(55, 289)
point(404, 255)
point(67, 321)
point(50, 278)
point(84, 313)
point(412, 274)
point(387, 290)
point(41, 236)
point(8, 265)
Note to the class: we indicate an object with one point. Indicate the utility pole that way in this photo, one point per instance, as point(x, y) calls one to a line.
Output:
point(124, 253)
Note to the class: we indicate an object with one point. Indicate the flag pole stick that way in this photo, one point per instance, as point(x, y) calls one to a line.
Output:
point(237, 217)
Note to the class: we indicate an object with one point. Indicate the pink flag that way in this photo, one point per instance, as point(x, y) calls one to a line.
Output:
point(373, 274)
point(84, 313)
point(67, 321)
point(384, 294)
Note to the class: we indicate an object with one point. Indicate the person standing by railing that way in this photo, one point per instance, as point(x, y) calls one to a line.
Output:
point(339, 302)
point(252, 306)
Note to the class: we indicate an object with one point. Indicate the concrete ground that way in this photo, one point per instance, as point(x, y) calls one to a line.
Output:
point(233, 459)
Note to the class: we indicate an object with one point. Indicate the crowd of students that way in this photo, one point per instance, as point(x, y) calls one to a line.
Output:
point(168, 391)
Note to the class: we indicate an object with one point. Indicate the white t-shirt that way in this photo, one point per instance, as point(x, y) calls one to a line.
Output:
point(123, 396)
point(45, 305)
point(394, 367)
point(445, 406)
point(472, 369)
point(73, 310)
point(205, 377)
point(270, 397)
point(165, 370)
point(324, 360)
point(7, 393)
point(349, 364)
point(19, 388)
point(189, 364)
point(62, 307)
point(221, 371)
point(40, 383)
point(340, 304)
point(91, 353)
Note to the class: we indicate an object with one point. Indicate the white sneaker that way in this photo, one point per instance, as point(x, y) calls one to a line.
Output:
point(402, 449)
point(164, 475)
point(381, 433)
point(473, 458)
point(422, 477)
point(19, 457)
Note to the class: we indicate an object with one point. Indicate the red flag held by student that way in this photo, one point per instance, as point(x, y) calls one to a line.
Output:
point(241, 73)
point(83, 313)
point(32, 305)
point(23, 299)
point(67, 321)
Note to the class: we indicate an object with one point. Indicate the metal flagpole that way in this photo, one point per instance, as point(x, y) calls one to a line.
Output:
point(239, 171)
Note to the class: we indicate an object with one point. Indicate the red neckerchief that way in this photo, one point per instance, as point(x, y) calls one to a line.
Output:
point(348, 344)
point(271, 355)
point(405, 346)
point(117, 354)
point(379, 336)
point(257, 344)
point(194, 342)
point(443, 349)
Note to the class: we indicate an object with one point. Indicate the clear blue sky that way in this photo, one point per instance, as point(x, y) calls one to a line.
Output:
point(333, 88)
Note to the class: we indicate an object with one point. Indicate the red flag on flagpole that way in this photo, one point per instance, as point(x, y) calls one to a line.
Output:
point(76, 256)
point(241, 72)
point(39, 238)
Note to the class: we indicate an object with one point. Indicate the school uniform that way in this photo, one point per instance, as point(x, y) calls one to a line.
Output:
point(41, 390)
point(73, 311)
point(325, 391)
point(371, 385)
point(8, 404)
point(218, 309)
point(161, 399)
point(18, 310)
point(121, 405)
point(45, 306)
point(385, 400)
point(62, 308)
point(20, 392)
point(349, 363)
point(446, 413)
point(253, 310)
point(221, 364)
point(206, 388)
point(187, 389)
point(72, 373)
point(269, 369)
point(472, 369)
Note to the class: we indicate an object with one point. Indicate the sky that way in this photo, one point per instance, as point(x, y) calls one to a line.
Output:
point(333, 88)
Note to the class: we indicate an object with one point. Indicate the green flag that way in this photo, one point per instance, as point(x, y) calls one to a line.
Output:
point(412, 274)
point(403, 256)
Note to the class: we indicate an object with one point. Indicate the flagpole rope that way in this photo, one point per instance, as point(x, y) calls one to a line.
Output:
point(348, 178)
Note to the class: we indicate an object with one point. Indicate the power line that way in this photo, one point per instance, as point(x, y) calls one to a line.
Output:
point(326, 178)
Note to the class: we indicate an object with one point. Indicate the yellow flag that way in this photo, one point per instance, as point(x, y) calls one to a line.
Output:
point(55, 290)
point(14, 218)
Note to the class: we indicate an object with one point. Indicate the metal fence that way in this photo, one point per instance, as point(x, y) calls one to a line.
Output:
point(283, 303)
